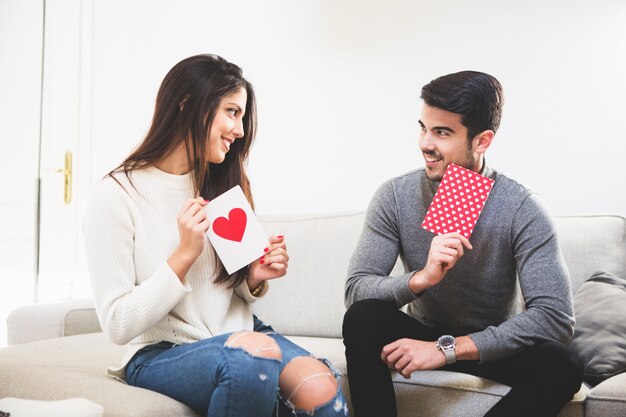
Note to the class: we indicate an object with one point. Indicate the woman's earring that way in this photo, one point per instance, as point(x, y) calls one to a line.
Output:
point(181, 105)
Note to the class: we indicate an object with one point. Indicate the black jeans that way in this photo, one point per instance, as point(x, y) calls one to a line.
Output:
point(543, 377)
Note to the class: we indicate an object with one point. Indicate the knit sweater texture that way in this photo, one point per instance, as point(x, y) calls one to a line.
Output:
point(130, 232)
point(511, 291)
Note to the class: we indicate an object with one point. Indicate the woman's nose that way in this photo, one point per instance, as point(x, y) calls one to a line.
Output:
point(238, 129)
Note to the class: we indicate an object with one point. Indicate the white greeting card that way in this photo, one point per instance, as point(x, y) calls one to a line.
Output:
point(235, 231)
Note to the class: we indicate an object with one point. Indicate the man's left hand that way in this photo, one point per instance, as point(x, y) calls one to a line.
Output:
point(409, 355)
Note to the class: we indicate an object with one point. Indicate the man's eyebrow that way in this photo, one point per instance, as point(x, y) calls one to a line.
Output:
point(446, 128)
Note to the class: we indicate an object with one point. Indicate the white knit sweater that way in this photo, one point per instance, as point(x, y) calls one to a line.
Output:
point(129, 235)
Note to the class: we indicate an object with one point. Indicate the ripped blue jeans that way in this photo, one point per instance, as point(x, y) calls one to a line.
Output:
point(222, 381)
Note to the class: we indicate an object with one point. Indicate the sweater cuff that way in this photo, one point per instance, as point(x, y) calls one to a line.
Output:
point(419, 294)
point(488, 347)
point(243, 292)
point(404, 294)
point(172, 283)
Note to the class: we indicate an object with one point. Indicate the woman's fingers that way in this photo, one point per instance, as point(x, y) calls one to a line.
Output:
point(276, 243)
point(277, 239)
point(277, 255)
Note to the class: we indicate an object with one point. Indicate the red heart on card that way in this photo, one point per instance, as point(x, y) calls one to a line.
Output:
point(233, 227)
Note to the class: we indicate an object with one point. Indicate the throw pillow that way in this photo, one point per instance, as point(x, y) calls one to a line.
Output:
point(600, 333)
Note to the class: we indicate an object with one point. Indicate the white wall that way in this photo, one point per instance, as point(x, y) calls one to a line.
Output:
point(338, 85)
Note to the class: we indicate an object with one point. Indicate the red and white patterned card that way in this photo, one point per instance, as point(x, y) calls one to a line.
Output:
point(458, 202)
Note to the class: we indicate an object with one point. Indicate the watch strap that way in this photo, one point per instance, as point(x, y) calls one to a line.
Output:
point(450, 355)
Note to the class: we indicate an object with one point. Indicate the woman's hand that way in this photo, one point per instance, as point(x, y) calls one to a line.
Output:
point(271, 265)
point(192, 227)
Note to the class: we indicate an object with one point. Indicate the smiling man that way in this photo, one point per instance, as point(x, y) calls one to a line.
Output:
point(462, 299)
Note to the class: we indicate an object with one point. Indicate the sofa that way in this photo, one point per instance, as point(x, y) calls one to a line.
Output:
point(58, 351)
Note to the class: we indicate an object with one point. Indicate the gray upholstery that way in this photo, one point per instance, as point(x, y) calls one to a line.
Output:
point(312, 295)
point(73, 366)
point(45, 321)
point(607, 399)
point(599, 341)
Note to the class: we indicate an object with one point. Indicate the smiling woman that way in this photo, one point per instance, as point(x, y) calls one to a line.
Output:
point(227, 125)
point(159, 286)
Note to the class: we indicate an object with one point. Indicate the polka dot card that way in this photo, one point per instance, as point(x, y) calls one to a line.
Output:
point(458, 202)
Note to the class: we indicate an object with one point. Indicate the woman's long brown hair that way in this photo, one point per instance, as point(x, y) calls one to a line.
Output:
point(186, 105)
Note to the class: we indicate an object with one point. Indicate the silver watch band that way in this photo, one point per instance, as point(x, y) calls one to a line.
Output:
point(450, 354)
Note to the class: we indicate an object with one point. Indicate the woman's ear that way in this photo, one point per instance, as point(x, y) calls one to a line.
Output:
point(482, 141)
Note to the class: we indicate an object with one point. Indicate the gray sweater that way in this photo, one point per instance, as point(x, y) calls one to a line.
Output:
point(515, 248)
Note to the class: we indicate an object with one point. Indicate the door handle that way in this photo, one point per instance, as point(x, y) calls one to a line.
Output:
point(67, 178)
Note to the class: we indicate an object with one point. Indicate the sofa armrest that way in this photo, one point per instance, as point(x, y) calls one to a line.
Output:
point(46, 321)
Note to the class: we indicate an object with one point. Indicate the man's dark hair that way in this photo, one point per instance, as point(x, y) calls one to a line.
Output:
point(476, 96)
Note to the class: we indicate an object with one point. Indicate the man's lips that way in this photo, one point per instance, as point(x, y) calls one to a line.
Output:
point(432, 160)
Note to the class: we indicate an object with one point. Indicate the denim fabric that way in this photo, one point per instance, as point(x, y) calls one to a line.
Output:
point(213, 379)
point(336, 407)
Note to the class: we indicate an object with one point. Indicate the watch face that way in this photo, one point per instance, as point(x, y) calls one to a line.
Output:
point(446, 341)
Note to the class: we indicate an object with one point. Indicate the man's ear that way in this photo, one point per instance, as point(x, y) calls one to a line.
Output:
point(482, 141)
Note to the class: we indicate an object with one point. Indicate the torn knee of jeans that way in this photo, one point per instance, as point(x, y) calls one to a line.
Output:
point(307, 383)
point(255, 343)
point(338, 404)
point(326, 362)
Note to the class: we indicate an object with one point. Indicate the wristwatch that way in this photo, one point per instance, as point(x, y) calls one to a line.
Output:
point(447, 344)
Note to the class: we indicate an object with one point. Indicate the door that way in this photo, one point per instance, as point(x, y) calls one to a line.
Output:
point(21, 48)
point(65, 104)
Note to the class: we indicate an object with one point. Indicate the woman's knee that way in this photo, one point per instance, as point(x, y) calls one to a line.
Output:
point(307, 383)
point(255, 343)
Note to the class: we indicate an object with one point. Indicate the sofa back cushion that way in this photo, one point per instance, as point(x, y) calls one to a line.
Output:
point(592, 243)
point(308, 301)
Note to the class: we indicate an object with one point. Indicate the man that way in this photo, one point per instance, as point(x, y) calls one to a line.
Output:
point(463, 309)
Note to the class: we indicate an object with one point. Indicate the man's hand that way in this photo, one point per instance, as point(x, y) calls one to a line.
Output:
point(409, 355)
point(445, 252)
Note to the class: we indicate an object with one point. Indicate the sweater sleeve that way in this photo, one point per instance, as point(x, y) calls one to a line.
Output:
point(244, 293)
point(376, 254)
point(125, 309)
point(545, 286)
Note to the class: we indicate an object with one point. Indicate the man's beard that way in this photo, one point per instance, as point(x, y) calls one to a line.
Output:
point(467, 162)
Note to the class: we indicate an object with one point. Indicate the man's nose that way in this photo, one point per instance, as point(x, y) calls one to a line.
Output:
point(425, 142)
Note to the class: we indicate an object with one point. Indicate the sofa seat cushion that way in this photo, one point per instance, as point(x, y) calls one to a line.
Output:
point(75, 366)
point(607, 398)
point(438, 392)
point(459, 395)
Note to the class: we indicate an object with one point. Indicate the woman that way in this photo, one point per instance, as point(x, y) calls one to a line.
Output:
point(158, 284)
